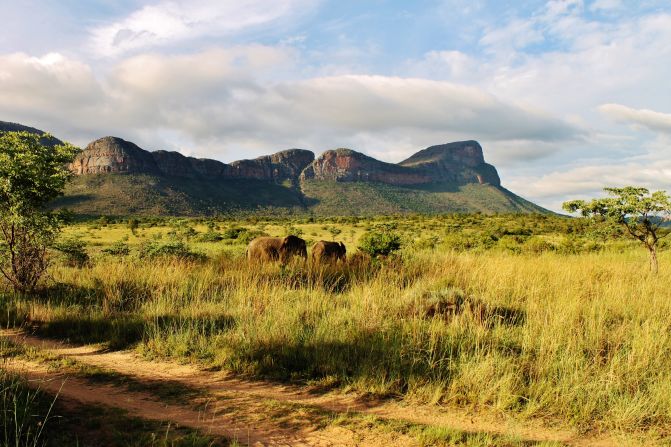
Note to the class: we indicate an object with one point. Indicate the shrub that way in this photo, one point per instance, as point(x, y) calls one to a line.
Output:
point(119, 248)
point(247, 236)
point(176, 250)
point(133, 225)
point(210, 236)
point(427, 243)
point(379, 243)
point(74, 252)
point(234, 232)
point(538, 245)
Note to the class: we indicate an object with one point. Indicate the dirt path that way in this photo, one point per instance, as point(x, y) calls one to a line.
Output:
point(241, 416)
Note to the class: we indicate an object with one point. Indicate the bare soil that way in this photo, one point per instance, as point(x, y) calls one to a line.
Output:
point(258, 412)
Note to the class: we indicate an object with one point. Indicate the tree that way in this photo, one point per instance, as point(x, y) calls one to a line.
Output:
point(640, 212)
point(379, 243)
point(133, 225)
point(32, 173)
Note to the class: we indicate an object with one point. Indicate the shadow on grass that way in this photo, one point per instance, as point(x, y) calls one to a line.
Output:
point(122, 330)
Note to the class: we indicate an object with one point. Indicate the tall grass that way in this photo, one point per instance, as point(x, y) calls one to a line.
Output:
point(584, 339)
point(24, 413)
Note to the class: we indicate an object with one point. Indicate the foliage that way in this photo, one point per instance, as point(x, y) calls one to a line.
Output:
point(379, 243)
point(233, 232)
point(119, 248)
point(133, 225)
point(210, 236)
point(31, 175)
point(640, 212)
point(174, 250)
point(74, 252)
point(246, 237)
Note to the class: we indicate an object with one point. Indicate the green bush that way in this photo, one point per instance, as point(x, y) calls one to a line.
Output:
point(119, 248)
point(234, 232)
point(210, 236)
point(247, 236)
point(538, 245)
point(73, 252)
point(175, 250)
point(379, 243)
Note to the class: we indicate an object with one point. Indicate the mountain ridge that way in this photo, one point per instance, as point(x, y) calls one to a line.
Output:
point(115, 176)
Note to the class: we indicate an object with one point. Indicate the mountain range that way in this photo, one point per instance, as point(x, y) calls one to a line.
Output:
point(116, 177)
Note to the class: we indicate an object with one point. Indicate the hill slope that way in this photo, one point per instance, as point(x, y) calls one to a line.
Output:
point(116, 177)
point(363, 198)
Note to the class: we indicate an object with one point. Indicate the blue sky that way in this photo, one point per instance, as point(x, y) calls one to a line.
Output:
point(566, 96)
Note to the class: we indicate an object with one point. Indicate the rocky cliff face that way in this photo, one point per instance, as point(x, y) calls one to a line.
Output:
point(459, 163)
point(346, 165)
point(285, 165)
point(114, 155)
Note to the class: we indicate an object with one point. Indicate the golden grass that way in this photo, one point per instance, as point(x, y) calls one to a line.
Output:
point(582, 339)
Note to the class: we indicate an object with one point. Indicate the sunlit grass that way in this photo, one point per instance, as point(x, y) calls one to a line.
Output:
point(580, 339)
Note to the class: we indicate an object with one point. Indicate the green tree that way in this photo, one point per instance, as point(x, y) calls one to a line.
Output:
point(640, 212)
point(133, 225)
point(31, 175)
point(379, 243)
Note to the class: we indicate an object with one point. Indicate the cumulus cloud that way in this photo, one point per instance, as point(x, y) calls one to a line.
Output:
point(219, 102)
point(655, 121)
point(167, 22)
point(588, 181)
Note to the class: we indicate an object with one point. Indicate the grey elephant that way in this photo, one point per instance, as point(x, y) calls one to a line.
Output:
point(326, 251)
point(268, 249)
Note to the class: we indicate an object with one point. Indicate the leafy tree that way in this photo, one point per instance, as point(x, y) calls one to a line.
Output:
point(74, 252)
point(379, 243)
point(640, 212)
point(31, 175)
point(133, 225)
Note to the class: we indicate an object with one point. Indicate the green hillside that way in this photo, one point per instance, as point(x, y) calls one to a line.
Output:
point(360, 198)
point(141, 194)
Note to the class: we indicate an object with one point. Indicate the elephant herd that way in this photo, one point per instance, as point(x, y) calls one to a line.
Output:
point(268, 249)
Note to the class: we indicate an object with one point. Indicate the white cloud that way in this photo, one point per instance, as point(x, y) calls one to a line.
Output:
point(167, 22)
point(655, 121)
point(585, 182)
point(219, 102)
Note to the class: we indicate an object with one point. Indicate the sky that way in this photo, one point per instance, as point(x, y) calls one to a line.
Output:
point(565, 96)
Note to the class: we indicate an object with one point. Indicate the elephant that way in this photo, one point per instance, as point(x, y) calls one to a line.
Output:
point(281, 249)
point(325, 251)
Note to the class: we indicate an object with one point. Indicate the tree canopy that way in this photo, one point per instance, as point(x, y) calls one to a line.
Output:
point(641, 212)
point(32, 173)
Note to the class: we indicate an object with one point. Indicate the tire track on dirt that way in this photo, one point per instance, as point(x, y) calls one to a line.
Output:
point(248, 393)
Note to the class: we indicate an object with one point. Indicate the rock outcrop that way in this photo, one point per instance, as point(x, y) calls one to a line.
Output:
point(284, 165)
point(460, 162)
point(115, 155)
point(346, 165)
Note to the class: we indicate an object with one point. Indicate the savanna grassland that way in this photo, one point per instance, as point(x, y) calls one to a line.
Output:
point(532, 318)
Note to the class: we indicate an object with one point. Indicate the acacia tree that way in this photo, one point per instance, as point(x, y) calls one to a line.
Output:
point(640, 212)
point(32, 173)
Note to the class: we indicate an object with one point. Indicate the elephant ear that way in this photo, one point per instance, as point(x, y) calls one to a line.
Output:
point(285, 242)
